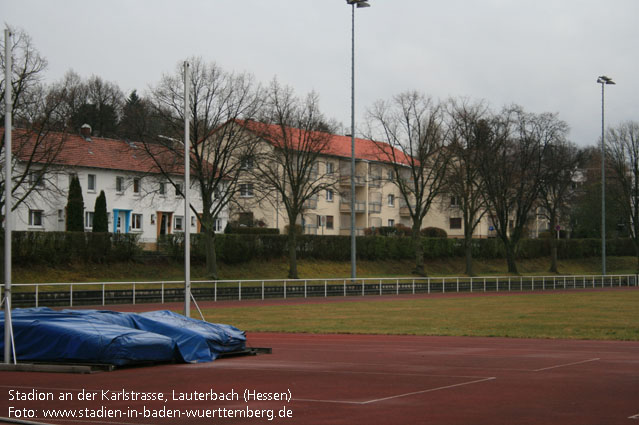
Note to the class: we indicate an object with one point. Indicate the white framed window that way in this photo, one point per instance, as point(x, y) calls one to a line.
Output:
point(246, 163)
point(329, 195)
point(88, 219)
point(162, 188)
point(454, 201)
point(391, 222)
point(178, 224)
point(119, 184)
point(391, 200)
point(136, 186)
point(136, 222)
point(193, 221)
point(35, 218)
point(179, 190)
point(246, 190)
point(60, 215)
point(91, 182)
point(218, 225)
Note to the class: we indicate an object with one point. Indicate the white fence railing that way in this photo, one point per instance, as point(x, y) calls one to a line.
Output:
point(104, 293)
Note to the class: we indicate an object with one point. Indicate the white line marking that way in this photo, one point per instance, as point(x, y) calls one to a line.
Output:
point(429, 390)
point(634, 417)
point(567, 364)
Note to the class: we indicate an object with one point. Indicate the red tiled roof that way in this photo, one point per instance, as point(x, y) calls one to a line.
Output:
point(336, 145)
point(74, 150)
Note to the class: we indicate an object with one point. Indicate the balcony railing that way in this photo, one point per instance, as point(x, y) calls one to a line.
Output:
point(345, 206)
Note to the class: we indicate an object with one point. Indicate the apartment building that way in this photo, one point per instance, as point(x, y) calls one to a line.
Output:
point(378, 201)
point(139, 198)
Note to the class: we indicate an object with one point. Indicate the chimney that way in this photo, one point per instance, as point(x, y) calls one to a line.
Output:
point(85, 131)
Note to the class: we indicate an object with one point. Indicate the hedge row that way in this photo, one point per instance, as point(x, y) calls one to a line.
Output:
point(55, 248)
point(233, 248)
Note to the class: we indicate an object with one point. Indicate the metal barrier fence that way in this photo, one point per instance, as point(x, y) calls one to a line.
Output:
point(105, 293)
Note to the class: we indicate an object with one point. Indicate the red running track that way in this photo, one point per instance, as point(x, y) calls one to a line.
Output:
point(352, 379)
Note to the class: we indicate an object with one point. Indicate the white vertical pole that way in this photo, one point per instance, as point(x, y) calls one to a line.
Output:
point(8, 325)
point(187, 185)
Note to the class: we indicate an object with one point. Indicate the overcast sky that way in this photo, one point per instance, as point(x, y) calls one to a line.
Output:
point(544, 55)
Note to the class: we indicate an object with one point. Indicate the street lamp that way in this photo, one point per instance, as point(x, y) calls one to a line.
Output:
point(358, 4)
point(603, 80)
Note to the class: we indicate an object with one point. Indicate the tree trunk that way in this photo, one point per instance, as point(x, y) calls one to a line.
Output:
point(211, 257)
point(292, 253)
point(510, 258)
point(468, 247)
point(419, 252)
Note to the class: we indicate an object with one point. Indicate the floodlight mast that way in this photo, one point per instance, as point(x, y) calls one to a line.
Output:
point(359, 4)
point(603, 80)
point(187, 183)
point(8, 325)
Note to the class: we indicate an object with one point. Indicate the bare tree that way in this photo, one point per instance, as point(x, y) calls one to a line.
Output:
point(468, 129)
point(561, 163)
point(36, 111)
point(623, 159)
point(218, 100)
point(412, 127)
point(512, 168)
point(297, 136)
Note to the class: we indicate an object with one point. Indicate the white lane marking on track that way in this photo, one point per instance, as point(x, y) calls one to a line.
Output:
point(429, 390)
point(566, 364)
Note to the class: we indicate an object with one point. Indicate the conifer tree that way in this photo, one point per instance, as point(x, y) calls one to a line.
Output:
point(100, 221)
point(75, 207)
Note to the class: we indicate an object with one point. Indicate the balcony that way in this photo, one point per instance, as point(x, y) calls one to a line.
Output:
point(345, 180)
point(311, 204)
point(345, 206)
point(375, 207)
point(404, 211)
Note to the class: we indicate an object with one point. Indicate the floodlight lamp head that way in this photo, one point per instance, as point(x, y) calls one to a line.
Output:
point(359, 3)
point(605, 80)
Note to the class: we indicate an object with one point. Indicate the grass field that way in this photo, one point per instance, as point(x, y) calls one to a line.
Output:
point(605, 315)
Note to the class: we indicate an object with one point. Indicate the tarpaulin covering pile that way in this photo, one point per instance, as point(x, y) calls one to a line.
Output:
point(95, 336)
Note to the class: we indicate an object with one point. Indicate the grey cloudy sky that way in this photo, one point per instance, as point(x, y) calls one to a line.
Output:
point(544, 54)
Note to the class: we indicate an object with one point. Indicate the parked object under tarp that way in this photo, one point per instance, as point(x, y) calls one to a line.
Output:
point(93, 336)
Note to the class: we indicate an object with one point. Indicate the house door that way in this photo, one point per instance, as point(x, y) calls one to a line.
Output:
point(164, 223)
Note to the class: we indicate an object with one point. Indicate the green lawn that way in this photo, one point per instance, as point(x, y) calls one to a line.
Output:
point(609, 315)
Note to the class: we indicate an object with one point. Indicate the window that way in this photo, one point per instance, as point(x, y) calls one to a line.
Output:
point(179, 190)
point(218, 225)
point(60, 215)
point(391, 175)
point(246, 163)
point(179, 223)
point(88, 220)
point(454, 201)
point(136, 221)
point(136, 186)
point(455, 223)
point(330, 168)
point(329, 195)
point(119, 184)
point(246, 190)
point(36, 179)
point(329, 221)
point(391, 200)
point(91, 183)
point(35, 218)
point(162, 188)
point(391, 222)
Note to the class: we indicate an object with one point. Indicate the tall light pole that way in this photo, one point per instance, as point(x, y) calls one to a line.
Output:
point(8, 327)
point(187, 184)
point(358, 4)
point(603, 80)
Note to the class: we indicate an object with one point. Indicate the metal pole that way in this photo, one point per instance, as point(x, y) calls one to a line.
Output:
point(8, 325)
point(187, 184)
point(603, 187)
point(353, 238)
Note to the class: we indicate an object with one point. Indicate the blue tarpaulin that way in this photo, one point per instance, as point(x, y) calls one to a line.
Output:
point(42, 334)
